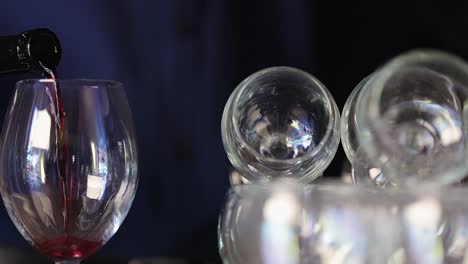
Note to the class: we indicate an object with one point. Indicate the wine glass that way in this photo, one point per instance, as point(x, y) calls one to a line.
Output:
point(280, 122)
point(68, 171)
point(343, 224)
point(407, 122)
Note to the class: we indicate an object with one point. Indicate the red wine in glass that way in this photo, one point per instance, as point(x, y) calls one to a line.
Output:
point(67, 247)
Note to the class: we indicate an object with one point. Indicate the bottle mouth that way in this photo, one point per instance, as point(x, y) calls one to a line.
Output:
point(39, 45)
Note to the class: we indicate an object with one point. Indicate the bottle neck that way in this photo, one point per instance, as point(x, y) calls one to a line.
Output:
point(26, 51)
point(9, 59)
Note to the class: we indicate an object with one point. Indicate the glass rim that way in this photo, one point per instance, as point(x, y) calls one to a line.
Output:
point(391, 67)
point(82, 82)
point(331, 107)
point(349, 193)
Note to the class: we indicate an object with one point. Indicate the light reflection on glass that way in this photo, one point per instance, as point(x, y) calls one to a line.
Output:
point(95, 187)
point(422, 222)
point(38, 147)
point(42, 170)
point(44, 209)
point(102, 162)
point(340, 237)
point(96, 183)
point(94, 156)
point(235, 178)
point(374, 173)
point(281, 208)
point(279, 230)
point(40, 130)
point(451, 135)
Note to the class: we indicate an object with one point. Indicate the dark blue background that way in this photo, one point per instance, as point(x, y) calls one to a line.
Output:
point(180, 60)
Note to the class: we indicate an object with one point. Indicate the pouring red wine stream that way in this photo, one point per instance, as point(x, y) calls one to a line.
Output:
point(66, 246)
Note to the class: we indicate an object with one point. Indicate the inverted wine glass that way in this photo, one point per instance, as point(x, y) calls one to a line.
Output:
point(280, 122)
point(407, 123)
point(68, 171)
point(343, 224)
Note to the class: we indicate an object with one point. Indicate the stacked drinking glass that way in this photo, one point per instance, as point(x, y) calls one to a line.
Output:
point(404, 129)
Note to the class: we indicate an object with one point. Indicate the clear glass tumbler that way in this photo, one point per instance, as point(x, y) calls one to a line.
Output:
point(280, 122)
point(407, 122)
point(343, 224)
point(68, 181)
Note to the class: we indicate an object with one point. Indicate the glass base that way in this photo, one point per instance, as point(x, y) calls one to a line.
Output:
point(67, 261)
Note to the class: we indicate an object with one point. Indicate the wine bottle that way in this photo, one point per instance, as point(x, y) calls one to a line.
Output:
point(29, 51)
